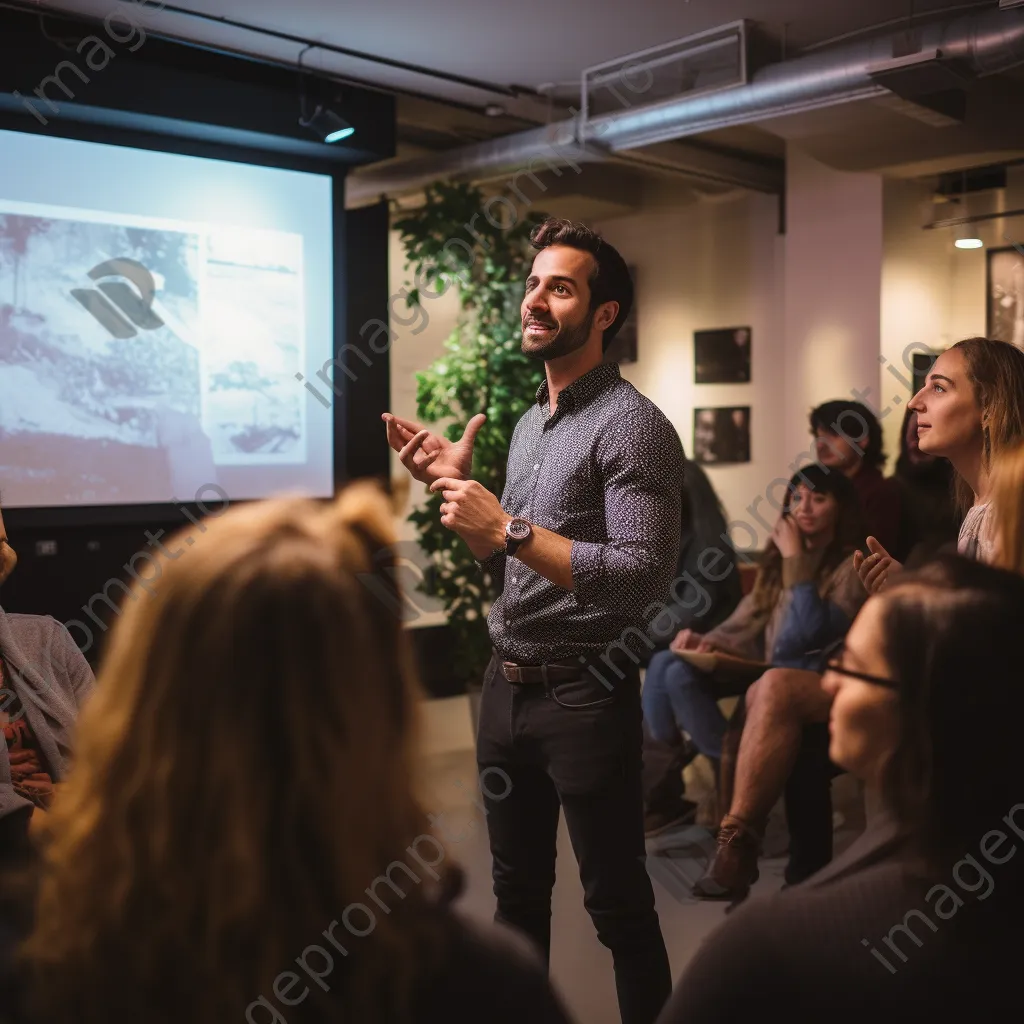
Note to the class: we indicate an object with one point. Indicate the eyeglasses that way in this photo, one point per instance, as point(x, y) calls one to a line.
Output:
point(832, 660)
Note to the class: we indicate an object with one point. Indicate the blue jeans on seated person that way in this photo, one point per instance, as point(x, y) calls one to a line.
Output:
point(677, 697)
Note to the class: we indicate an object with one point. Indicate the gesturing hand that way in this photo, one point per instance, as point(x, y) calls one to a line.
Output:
point(429, 456)
point(787, 537)
point(473, 513)
point(875, 569)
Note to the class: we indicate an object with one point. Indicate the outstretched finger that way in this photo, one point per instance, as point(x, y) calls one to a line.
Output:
point(407, 454)
point(876, 549)
point(877, 574)
point(473, 426)
point(411, 426)
point(395, 438)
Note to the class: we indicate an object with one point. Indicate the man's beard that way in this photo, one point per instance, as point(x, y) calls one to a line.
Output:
point(564, 341)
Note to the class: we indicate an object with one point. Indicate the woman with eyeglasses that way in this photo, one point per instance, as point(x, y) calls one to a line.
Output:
point(971, 412)
point(919, 918)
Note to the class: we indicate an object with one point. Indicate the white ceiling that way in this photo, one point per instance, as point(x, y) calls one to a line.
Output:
point(527, 43)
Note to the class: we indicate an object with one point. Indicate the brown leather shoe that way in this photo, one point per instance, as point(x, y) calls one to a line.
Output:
point(734, 869)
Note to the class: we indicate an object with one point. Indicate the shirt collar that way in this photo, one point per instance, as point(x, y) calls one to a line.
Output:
point(584, 388)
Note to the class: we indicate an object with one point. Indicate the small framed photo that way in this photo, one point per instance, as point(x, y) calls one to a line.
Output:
point(923, 362)
point(1005, 299)
point(722, 356)
point(721, 436)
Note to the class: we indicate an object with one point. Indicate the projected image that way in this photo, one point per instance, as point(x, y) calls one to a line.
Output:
point(135, 360)
point(253, 346)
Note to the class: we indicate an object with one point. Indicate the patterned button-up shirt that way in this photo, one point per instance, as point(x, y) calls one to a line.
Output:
point(606, 472)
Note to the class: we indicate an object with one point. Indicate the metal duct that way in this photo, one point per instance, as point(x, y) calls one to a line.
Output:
point(985, 44)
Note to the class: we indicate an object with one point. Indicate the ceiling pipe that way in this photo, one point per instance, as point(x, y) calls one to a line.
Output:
point(985, 44)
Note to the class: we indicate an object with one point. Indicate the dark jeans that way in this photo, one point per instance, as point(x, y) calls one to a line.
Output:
point(585, 758)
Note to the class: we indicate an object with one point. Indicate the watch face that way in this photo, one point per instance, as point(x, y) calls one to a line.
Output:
point(518, 529)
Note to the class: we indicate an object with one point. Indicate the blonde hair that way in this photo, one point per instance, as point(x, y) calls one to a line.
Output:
point(1008, 509)
point(243, 774)
point(996, 372)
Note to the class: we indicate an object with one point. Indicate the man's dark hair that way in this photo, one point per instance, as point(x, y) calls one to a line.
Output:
point(852, 420)
point(610, 282)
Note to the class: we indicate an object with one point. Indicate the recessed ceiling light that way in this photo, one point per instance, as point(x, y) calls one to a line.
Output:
point(969, 243)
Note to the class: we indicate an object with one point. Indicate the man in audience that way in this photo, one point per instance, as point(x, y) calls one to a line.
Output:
point(848, 438)
point(44, 678)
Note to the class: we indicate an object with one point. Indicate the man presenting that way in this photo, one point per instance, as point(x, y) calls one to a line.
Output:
point(582, 545)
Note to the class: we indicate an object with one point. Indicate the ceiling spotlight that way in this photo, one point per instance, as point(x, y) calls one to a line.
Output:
point(323, 122)
point(494, 110)
point(969, 243)
point(328, 125)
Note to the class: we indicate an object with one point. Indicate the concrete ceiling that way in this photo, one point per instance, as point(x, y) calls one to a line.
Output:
point(511, 49)
point(524, 59)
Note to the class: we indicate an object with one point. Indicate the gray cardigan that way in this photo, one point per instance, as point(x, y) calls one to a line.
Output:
point(51, 678)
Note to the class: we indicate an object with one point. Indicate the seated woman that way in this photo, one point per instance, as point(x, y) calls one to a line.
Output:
point(969, 412)
point(44, 678)
point(239, 834)
point(805, 596)
point(919, 919)
point(705, 591)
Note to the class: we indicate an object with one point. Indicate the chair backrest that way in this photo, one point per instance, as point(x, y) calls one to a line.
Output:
point(748, 574)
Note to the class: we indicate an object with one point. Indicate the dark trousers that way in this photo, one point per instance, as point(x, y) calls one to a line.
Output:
point(663, 784)
point(808, 801)
point(576, 746)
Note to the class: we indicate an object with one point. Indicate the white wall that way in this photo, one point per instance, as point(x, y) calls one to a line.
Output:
point(833, 278)
point(416, 343)
point(705, 266)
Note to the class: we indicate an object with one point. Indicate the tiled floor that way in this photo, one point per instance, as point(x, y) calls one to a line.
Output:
point(580, 965)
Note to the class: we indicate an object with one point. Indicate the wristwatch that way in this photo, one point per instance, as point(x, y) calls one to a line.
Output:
point(517, 530)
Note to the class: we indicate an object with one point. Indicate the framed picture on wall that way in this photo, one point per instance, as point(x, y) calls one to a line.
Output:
point(1005, 286)
point(623, 346)
point(722, 356)
point(922, 362)
point(721, 436)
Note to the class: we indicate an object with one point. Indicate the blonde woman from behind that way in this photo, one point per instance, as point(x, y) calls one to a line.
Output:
point(239, 838)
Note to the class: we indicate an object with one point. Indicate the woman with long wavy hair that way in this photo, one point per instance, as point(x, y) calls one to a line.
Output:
point(971, 412)
point(805, 595)
point(239, 838)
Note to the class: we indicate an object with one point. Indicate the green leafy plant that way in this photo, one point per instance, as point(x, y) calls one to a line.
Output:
point(451, 243)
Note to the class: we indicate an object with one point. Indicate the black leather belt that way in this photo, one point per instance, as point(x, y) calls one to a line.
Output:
point(566, 671)
point(551, 672)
